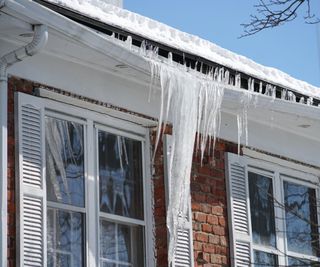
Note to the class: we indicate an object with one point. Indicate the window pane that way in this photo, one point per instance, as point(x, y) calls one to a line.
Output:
point(301, 219)
point(120, 173)
point(108, 240)
point(64, 162)
point(263, 259)
point(302, 262)
point(121, 243)
point(108, 264)
point(65, 238)
point(262, 210)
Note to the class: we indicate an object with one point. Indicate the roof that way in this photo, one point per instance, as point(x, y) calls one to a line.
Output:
point(164, 34)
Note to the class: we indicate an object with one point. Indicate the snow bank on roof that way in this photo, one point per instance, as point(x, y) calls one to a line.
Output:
point(189, 43)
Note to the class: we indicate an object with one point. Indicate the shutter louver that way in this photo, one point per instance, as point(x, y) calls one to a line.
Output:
point(238, 209)
point(183, 256)
point(30, 178)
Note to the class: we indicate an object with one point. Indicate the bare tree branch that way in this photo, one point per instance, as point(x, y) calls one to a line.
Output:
point(273, 13)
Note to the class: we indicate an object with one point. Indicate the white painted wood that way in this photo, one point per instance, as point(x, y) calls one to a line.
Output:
point(238, 210)
point(278, 170)
point(183, 255)
point(92, 197)
point(148, 203)
point(3, 169)
point(31, 217)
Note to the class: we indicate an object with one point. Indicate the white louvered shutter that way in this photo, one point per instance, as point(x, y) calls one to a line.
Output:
point(238, 210)
point(183, 256)
point(31, 184)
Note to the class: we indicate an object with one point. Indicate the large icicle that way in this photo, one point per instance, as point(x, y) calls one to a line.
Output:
point(194, 105)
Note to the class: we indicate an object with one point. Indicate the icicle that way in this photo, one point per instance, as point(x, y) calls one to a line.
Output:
point(226, 78)
point(238, 81)
point(310, 101)
point(240, 126)
point(301, 100)
point(251, 85)
point(260, 88)
point(153, 52)
point(143, 49)
point(220, 75)
point(291, 97)
point(274, 92)
point(284, 93)
point(271, 91)
point(194, 105)
point(170, 59)
point(129, 42)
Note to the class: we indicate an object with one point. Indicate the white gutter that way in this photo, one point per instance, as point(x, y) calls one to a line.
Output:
point(39, 40)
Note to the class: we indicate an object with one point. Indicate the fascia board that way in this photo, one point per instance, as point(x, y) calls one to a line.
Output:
point(233, 97)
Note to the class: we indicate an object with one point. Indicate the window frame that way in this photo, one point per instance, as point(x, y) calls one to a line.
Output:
point(67, 207)
point(118, 219)
point(90, 120)
point(279, 173)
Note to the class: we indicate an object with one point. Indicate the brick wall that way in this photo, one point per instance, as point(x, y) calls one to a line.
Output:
point(208, 191)
point(209, 206)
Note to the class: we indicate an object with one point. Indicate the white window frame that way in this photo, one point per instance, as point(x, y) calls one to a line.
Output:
point(113, 217)
point(90, 120)
point(66, 207)
point(280, 173)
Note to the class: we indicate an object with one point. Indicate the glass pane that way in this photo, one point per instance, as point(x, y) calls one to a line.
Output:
point(124, 241)
point(108, 240)
point(301, 219)
point(302, 262)
point(108, 264)
point(262, 210)
point(64, 162)
point(263, 259)
point(120, 173)
point(121, 243)
point(65, 238)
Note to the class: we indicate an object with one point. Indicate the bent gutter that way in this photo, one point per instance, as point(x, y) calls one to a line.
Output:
point(40, 37)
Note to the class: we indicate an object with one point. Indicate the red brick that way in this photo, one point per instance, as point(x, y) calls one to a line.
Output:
point(207, 228)
point(200, 217)
point(212, 219)
point(201, 237)
point(209, 248)
point(217, 210)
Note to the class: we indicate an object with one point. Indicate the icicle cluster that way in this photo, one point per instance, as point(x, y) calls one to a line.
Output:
point(194, 106)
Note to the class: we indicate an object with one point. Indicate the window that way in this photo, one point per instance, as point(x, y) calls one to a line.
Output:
point(85, 192)
point(65, 192)
point(121, 200)
point(274, 214)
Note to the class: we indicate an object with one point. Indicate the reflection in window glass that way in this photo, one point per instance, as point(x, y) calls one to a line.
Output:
point(263, 259)
point(64, 162)
point(121, 245)
point(295, 262)
point(120, 175)
point(65, 238)
point(262, 210)
point(301, 219)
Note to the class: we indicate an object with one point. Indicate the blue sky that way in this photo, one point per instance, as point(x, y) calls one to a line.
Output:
point(292, 48)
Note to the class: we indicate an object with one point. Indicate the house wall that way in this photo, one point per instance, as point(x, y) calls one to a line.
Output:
point(209, 206)
point(208, 191)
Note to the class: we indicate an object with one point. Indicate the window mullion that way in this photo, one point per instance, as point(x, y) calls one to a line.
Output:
point(280, 222)
point(54, 237)
point(91, 199)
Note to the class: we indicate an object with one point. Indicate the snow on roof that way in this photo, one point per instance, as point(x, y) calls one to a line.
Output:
point(162, 33)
